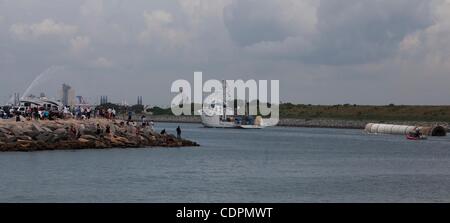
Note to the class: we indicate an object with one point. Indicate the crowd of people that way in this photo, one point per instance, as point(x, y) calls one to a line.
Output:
point(79, 113)
point(82, 113)
point(6, 113)
point(28, 113)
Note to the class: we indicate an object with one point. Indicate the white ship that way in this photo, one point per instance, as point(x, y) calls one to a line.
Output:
point(218, 115)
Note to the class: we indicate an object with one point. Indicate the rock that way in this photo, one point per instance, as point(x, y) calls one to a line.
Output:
point(119, 141)
point(17, 130)
point(60, 134)
point(4, 131)
point(43, 137)
point(100, 145)
point(24, 137)
point(31, 133)
point(56, 138)
point(88, 137)
point(83, 140)
point(47, 129)
point(10, 138)
point(37, 128)
point(60, 131)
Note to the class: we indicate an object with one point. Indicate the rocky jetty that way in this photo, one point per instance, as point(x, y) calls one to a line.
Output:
point(81, 134)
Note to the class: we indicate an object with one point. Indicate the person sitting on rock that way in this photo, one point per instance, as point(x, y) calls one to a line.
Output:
point(99, 130)
point(73, 132)
point(138, 131)
point(163, 132)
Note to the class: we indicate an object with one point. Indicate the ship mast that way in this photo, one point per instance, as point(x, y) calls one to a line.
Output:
point(224, 100)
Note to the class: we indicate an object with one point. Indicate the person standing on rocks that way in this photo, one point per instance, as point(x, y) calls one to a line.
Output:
point(88, 113)
point(130, 114)
point(113, 112)
point(152, 125)
point(143, 120)
point(178, 132)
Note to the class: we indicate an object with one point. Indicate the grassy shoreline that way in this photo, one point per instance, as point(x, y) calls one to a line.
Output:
point(367, 112)
point(409, 113)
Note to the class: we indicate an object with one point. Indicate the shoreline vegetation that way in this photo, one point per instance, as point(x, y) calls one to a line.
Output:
point(26, 136)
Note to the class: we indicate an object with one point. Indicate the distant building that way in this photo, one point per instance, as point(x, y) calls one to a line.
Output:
point(67, 95)
point(103, 100)
point(80, 101)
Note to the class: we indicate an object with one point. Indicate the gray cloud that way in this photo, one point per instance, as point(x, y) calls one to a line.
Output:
point(314, 47)
point(345, 32)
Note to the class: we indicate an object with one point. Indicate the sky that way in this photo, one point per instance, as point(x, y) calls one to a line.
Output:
point(322, 51)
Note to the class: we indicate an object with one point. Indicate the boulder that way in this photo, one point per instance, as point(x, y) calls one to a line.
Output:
point(24, 137)
point(56, 138)
point(17, 130)
point(83, 140)
point(88, 137)
point(60, 131)
point(43, 137)
point(10, 139)
point(47, 129)
point(37, 127)
point(60, 134)
point(4, 131)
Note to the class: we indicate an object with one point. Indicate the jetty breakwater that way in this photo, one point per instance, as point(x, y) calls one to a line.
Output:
point(73, 134)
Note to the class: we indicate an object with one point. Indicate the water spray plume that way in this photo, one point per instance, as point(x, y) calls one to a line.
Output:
point(40, 78)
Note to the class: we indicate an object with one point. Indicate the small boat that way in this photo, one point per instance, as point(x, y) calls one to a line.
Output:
point(413, 137)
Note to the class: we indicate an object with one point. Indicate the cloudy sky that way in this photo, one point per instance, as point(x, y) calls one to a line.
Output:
point(322, 51)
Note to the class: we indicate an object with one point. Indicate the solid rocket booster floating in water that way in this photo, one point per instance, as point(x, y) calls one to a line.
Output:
point(404, 129)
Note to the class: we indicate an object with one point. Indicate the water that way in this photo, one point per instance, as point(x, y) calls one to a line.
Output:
point(270, 165)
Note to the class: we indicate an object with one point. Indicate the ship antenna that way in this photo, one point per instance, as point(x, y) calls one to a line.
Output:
point(224, 100)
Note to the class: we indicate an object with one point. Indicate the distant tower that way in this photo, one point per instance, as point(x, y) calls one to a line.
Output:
point(16, 99)
point(139, 100)
point(103, 100)
point(67, 95)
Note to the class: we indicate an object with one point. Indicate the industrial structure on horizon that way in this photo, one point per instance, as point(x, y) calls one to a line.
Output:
point(67, 95)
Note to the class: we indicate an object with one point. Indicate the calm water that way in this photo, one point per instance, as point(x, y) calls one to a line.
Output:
point(270, 165)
